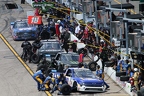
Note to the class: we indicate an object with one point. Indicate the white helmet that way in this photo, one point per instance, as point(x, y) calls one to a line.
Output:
point(58, 21)
point(135, 69)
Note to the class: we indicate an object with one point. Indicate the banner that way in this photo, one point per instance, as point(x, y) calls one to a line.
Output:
point(34, 20)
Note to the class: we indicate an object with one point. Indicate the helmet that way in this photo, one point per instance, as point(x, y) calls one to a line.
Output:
point(61, 75)
point(98, 66)
point(48, 78)
point(50, 74)
point(26, 39)
point(58, 21)
point(42, 69)
point(135, 69)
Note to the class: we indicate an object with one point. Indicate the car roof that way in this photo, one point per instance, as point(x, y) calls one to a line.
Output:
point(68, 53)
point(78, 68)
point(50, 40)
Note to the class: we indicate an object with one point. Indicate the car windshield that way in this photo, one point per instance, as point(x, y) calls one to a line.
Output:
point(21, 24)
point(69, 57)
point(52, 46)
point(84, 73)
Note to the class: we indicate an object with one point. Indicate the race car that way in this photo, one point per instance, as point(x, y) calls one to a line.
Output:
point(83, 80)
point(22, 30)
point(69, 59)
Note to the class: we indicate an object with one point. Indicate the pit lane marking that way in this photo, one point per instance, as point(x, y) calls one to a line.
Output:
point(19, 58)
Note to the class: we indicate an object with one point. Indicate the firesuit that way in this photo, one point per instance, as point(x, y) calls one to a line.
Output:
point(36, 44)
point(39, 78)
point(49, 80)
point(27, 48)
point(61, 79)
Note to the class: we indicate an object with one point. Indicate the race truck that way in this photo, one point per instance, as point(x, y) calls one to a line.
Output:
point(61, 59)
point(49, 49)
point(82, 80)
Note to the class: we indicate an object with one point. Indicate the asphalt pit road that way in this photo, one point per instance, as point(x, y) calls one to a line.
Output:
point(9, 57)
point(11, 6)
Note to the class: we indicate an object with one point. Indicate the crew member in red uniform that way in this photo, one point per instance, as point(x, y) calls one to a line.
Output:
point(57, 29)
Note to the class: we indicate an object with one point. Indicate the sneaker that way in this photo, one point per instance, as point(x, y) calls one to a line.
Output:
point(52, 92)
point(59, 93)
point(107, 87)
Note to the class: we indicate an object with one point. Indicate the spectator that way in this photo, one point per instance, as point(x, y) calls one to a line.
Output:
point(77, 29)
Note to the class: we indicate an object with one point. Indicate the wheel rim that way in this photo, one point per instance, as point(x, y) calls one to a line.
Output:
point(92, 66)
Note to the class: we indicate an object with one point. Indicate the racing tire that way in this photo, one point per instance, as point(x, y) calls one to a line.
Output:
point(65, 89)
point(74, 87)
point(92, 66)
point(124, 78)
point(35, 58)
point(118, 74)
point(109, 64)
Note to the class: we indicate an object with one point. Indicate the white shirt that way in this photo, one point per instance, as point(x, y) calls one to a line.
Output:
point(77, 29)
point(61, 29)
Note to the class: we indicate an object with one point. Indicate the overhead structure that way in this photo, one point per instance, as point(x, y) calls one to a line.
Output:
point(122, 6)
point(132, 16)
point(140, 33)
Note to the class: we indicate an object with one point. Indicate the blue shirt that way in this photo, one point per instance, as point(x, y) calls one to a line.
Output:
point(63, 80)
point(99, 73)
point(39, 74)
point(48, 79)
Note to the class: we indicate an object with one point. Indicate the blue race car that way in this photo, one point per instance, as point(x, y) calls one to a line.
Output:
point(22, 30)
point(83, 80)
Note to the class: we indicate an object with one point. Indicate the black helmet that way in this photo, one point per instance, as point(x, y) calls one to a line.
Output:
point(98, 66)
point(26, 39)
point(61, 75)
point(42, 69)
point(51, 74)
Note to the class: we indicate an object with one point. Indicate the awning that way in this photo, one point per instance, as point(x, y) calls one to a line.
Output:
point(136, 27)
point(123, 6)
point(133, 16)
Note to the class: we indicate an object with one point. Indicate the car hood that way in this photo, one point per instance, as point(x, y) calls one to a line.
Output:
point(90, 81)
point(50, 52)
point(24, 29)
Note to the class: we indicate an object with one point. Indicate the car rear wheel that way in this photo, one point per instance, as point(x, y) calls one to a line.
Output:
point(65, 89)
point(74, 86)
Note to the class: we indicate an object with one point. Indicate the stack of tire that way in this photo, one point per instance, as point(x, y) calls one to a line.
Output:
point(123, 76)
